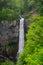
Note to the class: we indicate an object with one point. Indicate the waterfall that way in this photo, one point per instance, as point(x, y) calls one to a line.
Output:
point(21, 35)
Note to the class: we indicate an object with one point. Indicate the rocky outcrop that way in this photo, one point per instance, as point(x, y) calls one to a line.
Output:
point(8, 32)
point(9, 35)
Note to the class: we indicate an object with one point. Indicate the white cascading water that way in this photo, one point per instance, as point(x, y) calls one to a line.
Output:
point(21, 35)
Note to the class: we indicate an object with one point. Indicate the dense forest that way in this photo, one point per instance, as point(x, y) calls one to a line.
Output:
point(11, 9)
point(32, 11)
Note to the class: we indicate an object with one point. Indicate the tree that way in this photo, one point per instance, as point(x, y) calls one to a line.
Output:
point(26, 5)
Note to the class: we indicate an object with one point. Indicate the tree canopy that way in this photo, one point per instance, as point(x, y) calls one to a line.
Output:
point(11, 9)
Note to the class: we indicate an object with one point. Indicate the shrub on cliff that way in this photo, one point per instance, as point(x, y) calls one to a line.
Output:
point(8, 62)
point(33, 50)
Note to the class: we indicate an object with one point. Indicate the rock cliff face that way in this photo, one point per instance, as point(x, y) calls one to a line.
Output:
point(9, 33)
point(9, 36)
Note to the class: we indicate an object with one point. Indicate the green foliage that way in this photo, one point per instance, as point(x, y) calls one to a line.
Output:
point(11, 9)
point(8, 62)
point(33, 50)
point(3, 14)
point(41, 10)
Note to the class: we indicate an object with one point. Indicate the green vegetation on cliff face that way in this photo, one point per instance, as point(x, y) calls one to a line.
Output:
point(33, 50)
